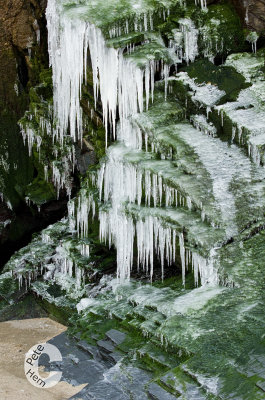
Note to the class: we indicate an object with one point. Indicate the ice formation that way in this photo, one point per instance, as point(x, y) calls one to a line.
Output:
point(203, 3)
point(121, 86)
point(119, 81)
point(190, 35)
point(253, 38)
point(29, 133)
point(67, 44)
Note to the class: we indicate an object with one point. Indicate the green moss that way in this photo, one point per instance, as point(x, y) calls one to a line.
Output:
point(17, 170)
point(60, 314)
point(175, 282)
point(40, 191)
point(226, 78)
point(8, 286)
point(92, 327)
point(26, 307)
point(222, 29)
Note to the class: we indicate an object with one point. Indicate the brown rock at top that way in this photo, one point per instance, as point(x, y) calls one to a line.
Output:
point(20, 22)
point(252, 13)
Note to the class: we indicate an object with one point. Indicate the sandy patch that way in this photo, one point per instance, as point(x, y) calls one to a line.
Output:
point(16, 338)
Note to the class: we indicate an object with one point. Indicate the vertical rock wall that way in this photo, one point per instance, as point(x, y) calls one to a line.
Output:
point(23, 50)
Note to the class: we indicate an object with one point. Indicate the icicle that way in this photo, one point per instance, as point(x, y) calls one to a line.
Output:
point(67, 45)
point(86, 204)
point(165, 76)
point(45, 238)
point(190, 39)
point(71, 215)
point(182, 256)
point(253, 38)
point(85, 250)
point(203, 4)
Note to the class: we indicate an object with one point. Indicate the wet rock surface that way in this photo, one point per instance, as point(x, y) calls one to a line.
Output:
point(106, 378)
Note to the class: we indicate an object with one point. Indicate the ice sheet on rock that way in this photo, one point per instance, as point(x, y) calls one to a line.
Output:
point(247, 113)
point(195, 300)
point(223, 163)
point(200, 122)
point(170, 303)
point(85, 303)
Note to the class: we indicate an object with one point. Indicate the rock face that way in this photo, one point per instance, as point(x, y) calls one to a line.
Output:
point(23, 49)
point(21, 25)
point(252, 12)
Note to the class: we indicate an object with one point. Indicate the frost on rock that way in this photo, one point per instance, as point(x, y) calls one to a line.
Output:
point(205, 93)
point(200, 122)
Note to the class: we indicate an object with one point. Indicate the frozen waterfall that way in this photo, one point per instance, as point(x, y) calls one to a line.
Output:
point(124, 90)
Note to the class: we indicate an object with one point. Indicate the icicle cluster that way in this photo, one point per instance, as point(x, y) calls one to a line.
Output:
point(190, 34)
point(86, 204)
point(123, 183)
point(141, 22)
point(202, 3)
point(29, 134)
point(185, 42)
point(122, 86)
point(61, 175)
point(253, 38)
point(119, 81)
point(120, 180)
point(200, 122)
point(63, 265)
point(67, 44)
